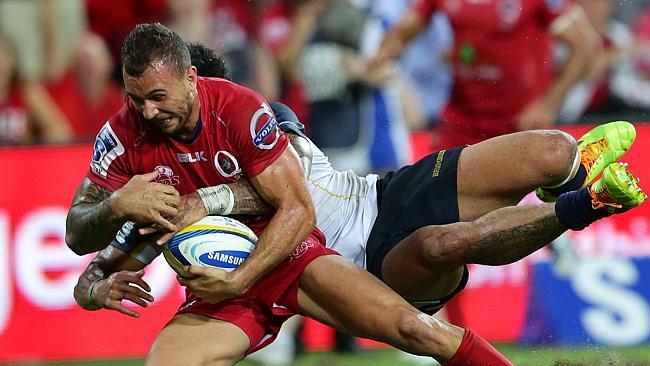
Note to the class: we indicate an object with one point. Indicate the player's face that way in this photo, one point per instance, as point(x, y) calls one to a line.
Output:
point(164, 99)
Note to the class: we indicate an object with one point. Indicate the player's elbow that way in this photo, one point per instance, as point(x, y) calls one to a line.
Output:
point(309, 217)
point(76, 243)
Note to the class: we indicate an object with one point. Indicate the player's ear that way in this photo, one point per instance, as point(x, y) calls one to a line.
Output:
point(191, 75)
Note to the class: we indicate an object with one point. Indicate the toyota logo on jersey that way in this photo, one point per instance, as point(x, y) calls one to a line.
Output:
point(264, 128)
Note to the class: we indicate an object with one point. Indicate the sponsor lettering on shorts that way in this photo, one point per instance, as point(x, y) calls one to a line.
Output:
point(438, 165)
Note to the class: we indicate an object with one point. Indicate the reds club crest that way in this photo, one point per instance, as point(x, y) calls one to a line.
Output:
point(301, 249)
point(227, 165)
point(166, 176)
point(264, 128)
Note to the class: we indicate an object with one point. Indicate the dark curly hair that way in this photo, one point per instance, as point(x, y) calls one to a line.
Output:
point(148, 43)
point(207, 62)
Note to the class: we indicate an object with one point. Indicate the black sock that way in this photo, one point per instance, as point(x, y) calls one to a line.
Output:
point(573, 185)
point(574, 210)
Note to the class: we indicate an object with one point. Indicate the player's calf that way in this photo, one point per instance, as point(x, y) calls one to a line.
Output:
point(449, 344)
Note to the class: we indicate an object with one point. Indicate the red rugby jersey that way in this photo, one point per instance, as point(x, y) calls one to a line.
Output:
point(238, 135)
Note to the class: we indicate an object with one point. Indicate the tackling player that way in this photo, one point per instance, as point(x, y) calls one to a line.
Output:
point(417, 228)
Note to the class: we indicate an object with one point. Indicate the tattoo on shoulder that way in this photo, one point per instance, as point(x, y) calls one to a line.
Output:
point(90, 192)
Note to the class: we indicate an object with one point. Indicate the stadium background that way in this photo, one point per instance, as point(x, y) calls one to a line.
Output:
point(597, 313)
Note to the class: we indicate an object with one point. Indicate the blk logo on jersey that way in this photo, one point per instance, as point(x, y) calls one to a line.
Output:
point(106, 149)
point(166, 176)
point(226, 164)
point(264, 128)
point(191, 157)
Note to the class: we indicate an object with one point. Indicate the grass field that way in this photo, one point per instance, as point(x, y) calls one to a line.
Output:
point(521, 356)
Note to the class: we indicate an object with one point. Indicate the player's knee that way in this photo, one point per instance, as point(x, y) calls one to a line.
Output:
point(556, 154)
point(445, 243)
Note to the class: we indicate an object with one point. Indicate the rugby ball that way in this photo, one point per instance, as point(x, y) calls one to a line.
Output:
point(213, 241)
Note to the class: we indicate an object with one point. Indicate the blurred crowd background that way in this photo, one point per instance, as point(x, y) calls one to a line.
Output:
point(60, 77)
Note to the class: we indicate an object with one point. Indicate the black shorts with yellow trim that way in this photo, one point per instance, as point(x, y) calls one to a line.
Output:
point(413, 197)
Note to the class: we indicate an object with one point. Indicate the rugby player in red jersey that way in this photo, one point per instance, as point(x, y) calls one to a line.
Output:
point(179, 133)
point(503, 77)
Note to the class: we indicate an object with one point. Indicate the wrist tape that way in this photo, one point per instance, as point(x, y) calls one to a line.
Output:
point(218, 200)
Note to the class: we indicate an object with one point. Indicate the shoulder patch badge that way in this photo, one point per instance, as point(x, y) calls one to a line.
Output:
point(107, 148)
point(264, 128)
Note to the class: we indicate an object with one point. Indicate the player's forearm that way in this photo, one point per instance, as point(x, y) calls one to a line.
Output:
point(105, 263)
point(82, 291)
point(91, 223)
point(289, 226)
point(301, 30)
point(574, 30)
point(247, 200)
point(91, 227)
point(576, 67)
point(399, 37)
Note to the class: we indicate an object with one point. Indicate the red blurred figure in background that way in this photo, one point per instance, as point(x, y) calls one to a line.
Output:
point(503, 77)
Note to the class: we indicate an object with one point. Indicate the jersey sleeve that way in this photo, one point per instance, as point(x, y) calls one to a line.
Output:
point(549, 10)
point(253, 132)
point(109, 166)
point(425, 8)
point(287, 120)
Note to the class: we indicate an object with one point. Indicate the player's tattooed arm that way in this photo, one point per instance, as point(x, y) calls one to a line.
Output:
point(97, 214)
point(112, 276)
point(91, 223)
point(247, 200)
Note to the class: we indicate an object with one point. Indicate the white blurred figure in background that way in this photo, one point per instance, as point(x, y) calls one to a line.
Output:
point(631, 83)
point(594, 93)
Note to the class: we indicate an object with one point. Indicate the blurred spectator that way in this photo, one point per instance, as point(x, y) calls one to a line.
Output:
point(356, 116)
point(26, 113)
point(425, 60)
point(286, 27)
point(87, 95)
point(593, 94)
point(114, 19)
point(631, 84)
point(45, 33)
point(227, 26)
point(503, 77)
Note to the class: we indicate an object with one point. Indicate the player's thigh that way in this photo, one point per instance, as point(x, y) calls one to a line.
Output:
point(339, 292)
point(500, 171)
point(190, 339)
point(428, 264)
point(350, 299)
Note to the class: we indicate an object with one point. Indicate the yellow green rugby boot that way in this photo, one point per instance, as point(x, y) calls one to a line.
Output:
point(599, 148)
point(617, 190)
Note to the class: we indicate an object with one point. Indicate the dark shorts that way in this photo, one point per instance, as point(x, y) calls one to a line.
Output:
point(413, 197)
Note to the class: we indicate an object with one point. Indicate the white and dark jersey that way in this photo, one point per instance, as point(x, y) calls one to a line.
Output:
point(346, 206)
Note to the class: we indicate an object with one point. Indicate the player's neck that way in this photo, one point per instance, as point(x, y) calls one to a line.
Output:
point(190, 128)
